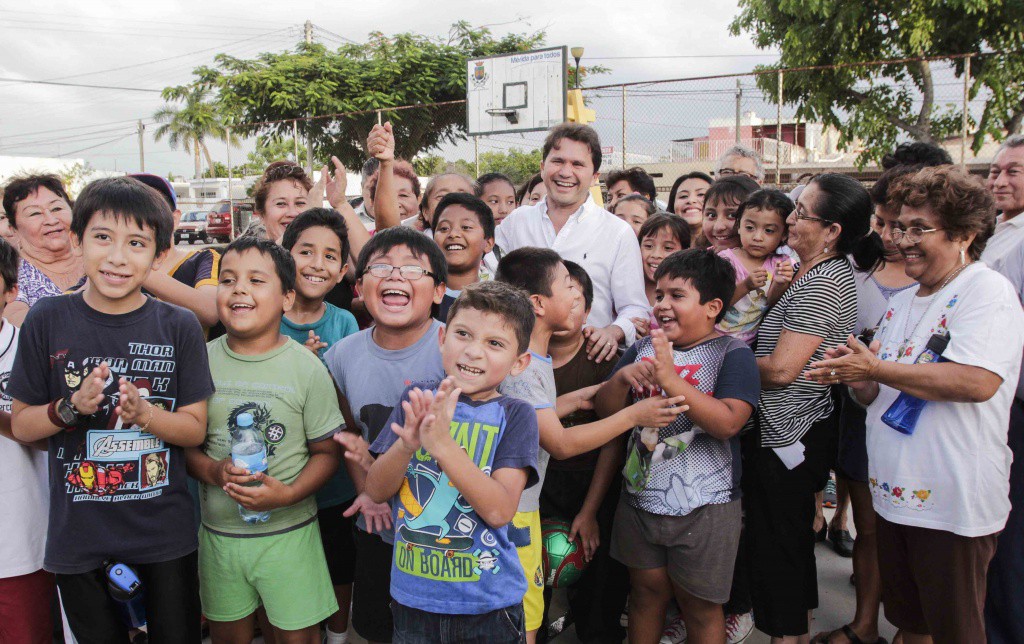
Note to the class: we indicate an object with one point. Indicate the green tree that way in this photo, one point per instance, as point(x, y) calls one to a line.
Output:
point(275, 89)
point(880, 104)
point(191, 124)
point(518, 165)
point(217, 171)
point(270, 149)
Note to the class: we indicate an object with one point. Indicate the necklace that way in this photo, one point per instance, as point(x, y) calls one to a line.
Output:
point(907, 334)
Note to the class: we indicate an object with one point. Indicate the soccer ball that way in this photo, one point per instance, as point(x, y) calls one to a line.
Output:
point(563, 559)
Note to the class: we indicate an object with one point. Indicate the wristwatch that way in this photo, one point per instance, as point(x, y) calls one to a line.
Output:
point(63, 413)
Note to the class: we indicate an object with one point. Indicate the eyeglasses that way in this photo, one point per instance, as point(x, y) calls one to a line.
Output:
point(799, 213)
point(729, 172)
point(384, 271)
point(913, 235)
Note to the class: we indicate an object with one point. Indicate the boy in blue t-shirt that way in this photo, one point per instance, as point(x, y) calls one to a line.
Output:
point(677, 526)
point(464, 231)
point(454, 460)
point(318, 242)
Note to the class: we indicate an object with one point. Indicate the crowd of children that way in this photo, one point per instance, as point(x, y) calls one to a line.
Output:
point(409, 463)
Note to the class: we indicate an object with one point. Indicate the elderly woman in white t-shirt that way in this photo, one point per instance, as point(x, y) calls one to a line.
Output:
point(940, 486)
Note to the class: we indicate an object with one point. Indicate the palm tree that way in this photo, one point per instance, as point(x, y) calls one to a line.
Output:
point(191, 124)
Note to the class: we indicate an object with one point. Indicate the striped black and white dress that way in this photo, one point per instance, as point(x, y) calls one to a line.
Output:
point(823, 303)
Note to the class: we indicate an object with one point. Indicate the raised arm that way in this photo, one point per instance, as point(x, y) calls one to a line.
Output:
point(381, 145)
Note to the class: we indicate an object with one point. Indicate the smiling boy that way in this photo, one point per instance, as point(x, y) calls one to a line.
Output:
point(141, 382)
point(455, 464)
point(464, 231)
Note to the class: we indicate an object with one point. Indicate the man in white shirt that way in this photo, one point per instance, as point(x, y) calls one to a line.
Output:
point(1004, 253)
point(570, 223)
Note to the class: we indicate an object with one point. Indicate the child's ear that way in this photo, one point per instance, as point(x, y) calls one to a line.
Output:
point(441, 332)
point(76, 245)
point(289, 301)
point(341, 274)
point(520, 365)
point(538, 305)
point(11, 294)
point(713, 307)
point(439, 291)
point(159, 259)
point(488, 244)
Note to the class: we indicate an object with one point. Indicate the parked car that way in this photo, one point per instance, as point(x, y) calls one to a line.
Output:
point(192, 227)
point(223, 225)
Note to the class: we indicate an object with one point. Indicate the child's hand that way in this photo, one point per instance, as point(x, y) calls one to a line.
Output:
point(664, 361)
point(757, 279)
point(583, 399)
point(585, 524)
point(643, 326)
point(89, 396)
point(784, 272)
point(132, 408)
point(314, 344)
point(381, 142)
point(335, 183)
point(639, 376)
point(436, 426)
point(657, 411)
point(376, 515)
point(357, 449)
point(416, 408)
point(271, 495)
point(227, 472)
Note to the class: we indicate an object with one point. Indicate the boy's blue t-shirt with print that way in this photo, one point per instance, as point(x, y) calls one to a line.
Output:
point(334, 325)
point(446, 559)
point(674, 470)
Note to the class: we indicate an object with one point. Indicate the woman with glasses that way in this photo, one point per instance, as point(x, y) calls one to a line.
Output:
point(940, 485)
point(788, 456)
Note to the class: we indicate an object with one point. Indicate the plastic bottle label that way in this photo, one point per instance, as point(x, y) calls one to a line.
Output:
point(253, 462)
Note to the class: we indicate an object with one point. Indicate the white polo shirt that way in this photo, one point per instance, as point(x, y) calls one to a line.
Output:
point(598, 241)
point(1007, 236)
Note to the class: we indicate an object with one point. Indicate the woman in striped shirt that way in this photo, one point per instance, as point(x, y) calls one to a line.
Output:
point(788, 458)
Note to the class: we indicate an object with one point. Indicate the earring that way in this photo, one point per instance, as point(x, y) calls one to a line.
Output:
point(825, 251)
point(963, 258)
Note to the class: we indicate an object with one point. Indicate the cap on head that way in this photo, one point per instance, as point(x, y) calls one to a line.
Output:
point(161, 185)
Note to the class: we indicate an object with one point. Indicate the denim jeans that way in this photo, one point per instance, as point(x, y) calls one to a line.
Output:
point(413, 626)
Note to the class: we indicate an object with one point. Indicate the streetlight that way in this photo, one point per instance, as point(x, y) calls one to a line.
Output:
point(577, 53)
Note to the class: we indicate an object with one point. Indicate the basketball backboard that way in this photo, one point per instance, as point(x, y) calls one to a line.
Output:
point(523, 92)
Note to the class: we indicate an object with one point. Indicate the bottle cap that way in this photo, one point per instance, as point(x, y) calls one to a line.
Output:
point(244, 420)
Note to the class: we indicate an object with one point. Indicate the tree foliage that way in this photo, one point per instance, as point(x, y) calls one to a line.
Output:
point(385, 72)
point(191, 124)
point(518, 165)
point(270, 149)
point(879, 105)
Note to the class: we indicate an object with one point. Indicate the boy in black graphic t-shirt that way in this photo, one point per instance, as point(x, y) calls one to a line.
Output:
point(117, 382)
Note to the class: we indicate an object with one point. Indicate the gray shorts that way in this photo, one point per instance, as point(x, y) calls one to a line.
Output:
point(698, 550)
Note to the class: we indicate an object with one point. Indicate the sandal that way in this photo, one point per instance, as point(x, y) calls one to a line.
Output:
point(848, 634)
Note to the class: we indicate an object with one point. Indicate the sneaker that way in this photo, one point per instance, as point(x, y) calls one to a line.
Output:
point(675, 632)
point(829, 500)
point(738, 627)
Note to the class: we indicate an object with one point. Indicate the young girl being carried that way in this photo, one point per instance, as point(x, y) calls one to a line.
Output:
point(660, 236)
point(762, 272)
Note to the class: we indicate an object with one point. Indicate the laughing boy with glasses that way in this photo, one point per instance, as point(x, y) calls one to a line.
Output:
point(401, 275)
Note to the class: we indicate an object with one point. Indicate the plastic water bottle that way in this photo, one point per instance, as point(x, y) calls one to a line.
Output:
point(124, 586)
point(902, 415)
point(249, 451)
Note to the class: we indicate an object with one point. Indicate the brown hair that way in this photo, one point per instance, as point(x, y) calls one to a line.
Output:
point(504, 300)
point(574, 132)
point(20, 188)
point(401, 169)
point(959, 200)
point(278, 171)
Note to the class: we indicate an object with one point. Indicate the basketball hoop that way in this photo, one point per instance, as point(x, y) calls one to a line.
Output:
point(510, 114)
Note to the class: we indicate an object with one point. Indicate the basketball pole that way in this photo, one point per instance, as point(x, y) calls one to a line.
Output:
point(476, 154)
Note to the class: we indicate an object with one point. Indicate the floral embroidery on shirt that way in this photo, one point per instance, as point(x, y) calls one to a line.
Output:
point(902, 496)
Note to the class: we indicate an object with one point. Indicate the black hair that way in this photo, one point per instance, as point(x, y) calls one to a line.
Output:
point(529, 268)
point(485, 180)
point(845, 201)
point(674, 223)
point(417, 243)
point(678, 182)
point(574, 132)
point(369, 167)
point(21, 188)
point(768, 199)
point(648, 205)
point(712, 276)
point(735, 187)
point(916, 153)
point(127, 199)
point(8, 264)
point(472, 204)
point(637, 178)
point(880, 188)
point(328, 218)
point(528, 187)
point(581, 276)
point(284, 265)
point(503, 300)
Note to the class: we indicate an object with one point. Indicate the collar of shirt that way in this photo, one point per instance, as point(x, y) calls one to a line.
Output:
point(582, 214)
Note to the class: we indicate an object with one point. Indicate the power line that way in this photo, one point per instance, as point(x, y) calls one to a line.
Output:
point(119, 19)
point(338, 36)
point(43, 82)
point(65, 129)
point(177, 26)
point(125, 34)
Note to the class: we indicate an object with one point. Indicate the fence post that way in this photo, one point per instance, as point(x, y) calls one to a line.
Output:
point(739, 116)
point(623, 126)
point(778, 136)
point(295, 138)
point(967, 101)
point(231, 194)
point(476, 154)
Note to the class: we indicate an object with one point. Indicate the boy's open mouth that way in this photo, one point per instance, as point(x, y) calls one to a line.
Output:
point(395, 298)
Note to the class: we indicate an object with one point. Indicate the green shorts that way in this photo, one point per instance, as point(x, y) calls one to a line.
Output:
point(287, 573)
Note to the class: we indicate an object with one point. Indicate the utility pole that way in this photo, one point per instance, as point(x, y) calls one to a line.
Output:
point(142, 151)
point(309, 121)
point(739, 116)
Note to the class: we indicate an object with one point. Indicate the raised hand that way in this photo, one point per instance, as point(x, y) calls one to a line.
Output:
point(639, 376)
point(357, 449)
point(381, 142)
point(657, 411)
point(132, 407)
point(436, 425)
point(854, 364)
point(335, 183)
point(664, 361)
point(314, 344)
point(89, 397)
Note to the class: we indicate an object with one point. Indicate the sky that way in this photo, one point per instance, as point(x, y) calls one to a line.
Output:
point(153, 45)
